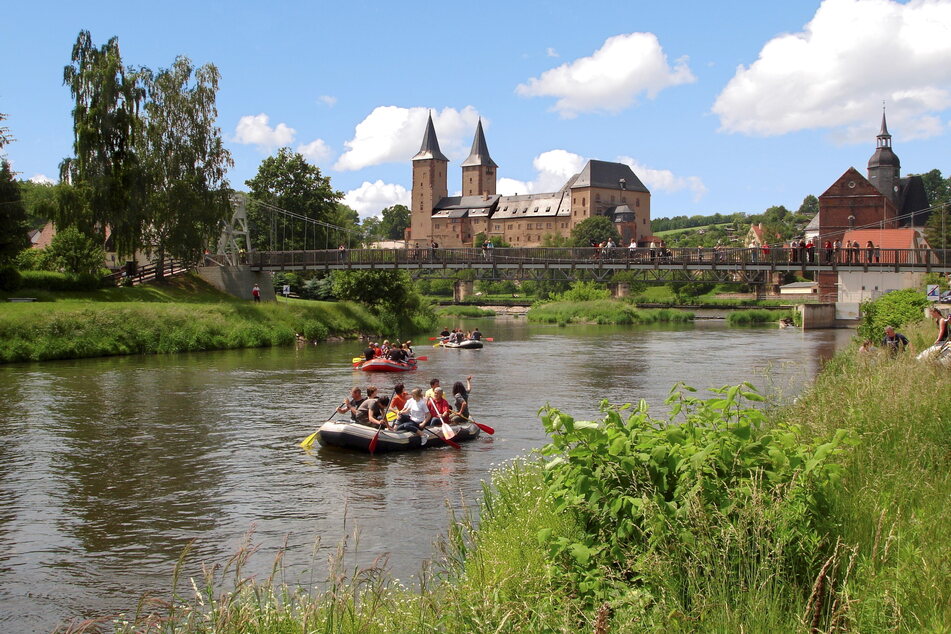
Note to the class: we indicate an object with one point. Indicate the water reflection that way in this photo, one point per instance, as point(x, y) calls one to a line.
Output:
point(109, 467)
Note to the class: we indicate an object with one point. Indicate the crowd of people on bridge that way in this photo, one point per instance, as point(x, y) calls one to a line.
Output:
point(413, 411)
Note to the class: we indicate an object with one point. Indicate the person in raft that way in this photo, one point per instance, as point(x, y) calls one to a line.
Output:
point(351, 403)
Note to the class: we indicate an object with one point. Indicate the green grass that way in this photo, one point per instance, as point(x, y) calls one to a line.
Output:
point(602, 311)
point(885, 538)
point(183, 316)
point(761, 316)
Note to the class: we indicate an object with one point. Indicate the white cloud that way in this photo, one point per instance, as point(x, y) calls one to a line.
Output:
point(327, 100)
point(551, 52)
point(665, 180)
point(610, 79)
point(369, 199)
point(852, 56)
point(393, 134)
point(42, 179)
point(316, 151)
point(255, 130)
point(554, 168)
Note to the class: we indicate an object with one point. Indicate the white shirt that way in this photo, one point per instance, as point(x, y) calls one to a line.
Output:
point(416, 409)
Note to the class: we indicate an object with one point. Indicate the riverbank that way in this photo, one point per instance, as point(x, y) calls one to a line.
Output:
point(181, 315)
point(873, 559)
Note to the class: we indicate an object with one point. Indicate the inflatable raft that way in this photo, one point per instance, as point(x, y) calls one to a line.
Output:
point(470, 344)
point(348, 435)
point(385, 365)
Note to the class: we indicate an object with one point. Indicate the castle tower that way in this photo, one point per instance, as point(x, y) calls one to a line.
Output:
point(884, 168)
point(429, 185)
point(478, 171)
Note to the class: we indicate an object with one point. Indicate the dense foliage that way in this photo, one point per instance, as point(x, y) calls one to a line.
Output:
point(13, 224)
point(896, 308)
point(685, 491)
point(594, 230)
point(288, 182)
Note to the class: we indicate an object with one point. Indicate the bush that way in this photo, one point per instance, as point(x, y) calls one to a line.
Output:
point(54, 281)
point(583, 292)
point(896, 308)
point(74, 252)
point(10, 278)
point(703, 491)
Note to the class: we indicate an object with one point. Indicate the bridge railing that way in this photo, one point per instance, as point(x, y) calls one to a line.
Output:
point(589, 256)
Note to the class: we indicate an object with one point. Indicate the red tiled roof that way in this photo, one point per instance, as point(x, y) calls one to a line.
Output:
point(884, 238)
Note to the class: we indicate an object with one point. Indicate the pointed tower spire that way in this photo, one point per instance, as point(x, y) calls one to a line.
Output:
point(479, 156)
point(884, 168)
point(430, 147)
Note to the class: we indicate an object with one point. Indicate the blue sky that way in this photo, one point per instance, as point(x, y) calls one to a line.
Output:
point(718, 106)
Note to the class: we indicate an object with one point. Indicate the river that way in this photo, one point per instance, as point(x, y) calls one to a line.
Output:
point(110, 467)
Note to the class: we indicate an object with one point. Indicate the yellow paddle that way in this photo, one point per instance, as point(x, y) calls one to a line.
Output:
point(308, 442)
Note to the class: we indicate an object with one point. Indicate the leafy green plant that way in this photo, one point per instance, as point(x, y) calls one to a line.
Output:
point(896, 308)
point(646, 489)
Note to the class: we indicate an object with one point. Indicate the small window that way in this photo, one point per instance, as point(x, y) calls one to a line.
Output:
point(637, 203)
point(597, 197)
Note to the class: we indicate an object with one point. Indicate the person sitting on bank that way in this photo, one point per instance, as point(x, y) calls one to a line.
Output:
point(944, 335)
point(351, 403)
point(894, 342)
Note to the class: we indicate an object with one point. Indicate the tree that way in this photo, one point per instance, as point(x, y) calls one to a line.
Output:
point(809, 206)
point(13, 226)
point(594, 229)
point(288, 182)
point(39, 202)
point(372, 230)
point(184, 161)
point(5, 136)
point(938, 227)
point(71, 251)
point(109, 185)
point(395, 222)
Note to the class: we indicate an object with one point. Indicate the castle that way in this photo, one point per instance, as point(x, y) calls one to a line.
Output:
point(600, 189)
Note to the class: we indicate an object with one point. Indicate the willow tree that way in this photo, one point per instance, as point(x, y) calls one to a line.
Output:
point(108, 184)
point(184, 161)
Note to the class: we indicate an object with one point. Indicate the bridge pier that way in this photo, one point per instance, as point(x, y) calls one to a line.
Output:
point(817, 315)
point(620, 289)
point(238, 280)
point(461, 290)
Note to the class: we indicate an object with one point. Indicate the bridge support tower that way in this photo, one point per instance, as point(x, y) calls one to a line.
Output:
point(461, 290)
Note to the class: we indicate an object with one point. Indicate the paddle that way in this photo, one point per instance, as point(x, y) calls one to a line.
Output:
point(308, 442)
point(451, 443)
point(447, 432)
point(374, 439)
point(484, 428)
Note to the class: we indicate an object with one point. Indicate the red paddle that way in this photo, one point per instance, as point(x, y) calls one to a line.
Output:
point(484, 428)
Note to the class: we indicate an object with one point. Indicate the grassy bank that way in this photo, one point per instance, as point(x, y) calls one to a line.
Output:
point(182, 316)
point(761, 316)
point(602, 311)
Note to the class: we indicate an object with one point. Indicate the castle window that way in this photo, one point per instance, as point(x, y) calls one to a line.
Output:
point(510, 226)
point(582, 202)
point(637, 203)
point(548, 225)
point(597, 197)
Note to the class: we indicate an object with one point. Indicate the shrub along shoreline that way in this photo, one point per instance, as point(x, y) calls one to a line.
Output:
point(830, 514)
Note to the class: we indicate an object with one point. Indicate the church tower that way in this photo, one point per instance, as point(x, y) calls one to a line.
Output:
point(478, 171)
point(429, 185)
point(884, 168)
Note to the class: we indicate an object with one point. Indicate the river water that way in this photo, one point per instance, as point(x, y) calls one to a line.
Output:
point(110, 467)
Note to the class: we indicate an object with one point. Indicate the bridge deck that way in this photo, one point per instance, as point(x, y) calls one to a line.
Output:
point(618, 259)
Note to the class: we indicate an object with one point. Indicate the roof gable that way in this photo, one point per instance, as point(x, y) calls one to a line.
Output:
point(609, 176)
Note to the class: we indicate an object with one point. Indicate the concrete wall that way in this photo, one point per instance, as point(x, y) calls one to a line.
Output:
point(817, 316)
point(238, 280)
point(461, 290)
